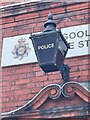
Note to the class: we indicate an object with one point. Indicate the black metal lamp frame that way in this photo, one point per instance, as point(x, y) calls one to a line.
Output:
point(50, 27)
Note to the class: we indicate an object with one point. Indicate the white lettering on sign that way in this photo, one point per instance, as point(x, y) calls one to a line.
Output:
point(78, 38)
point(47, 46)
point(78, 34)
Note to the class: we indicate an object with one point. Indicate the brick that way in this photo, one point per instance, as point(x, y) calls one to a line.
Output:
point(7, 99)
point(6, 69)
point(84, 11)
point(35, 90)
point(83, 57)
point(30, 74)
point(0, 95)
point(48, 82)
point(30, 96)
point(53, 73)
point(9, 25)
point(83, 78)
point(20, 103)
point(22, 97)
point(26, 16)
point(36, 29)
point(12, 108)
point(5, 89)
point(7, 20)
point(5, 73)
point(14, 77)
point(55, 4)
point(85, 61)
point(6, 83)
point(74, 74)
point(0, 73)
point(61, 25)
point(5, 110)
point(26, 31)
point(6, 94)
point(39, 84)
point(53, 77)
point(86, 16)
point(54, 11)
point(75, 69)
point(14, 88)
point(7, 78)
point(23, 70)
point(40, 73)
point(36, 68)
point(14, 98)
point(83, 67)
point(8, 30)
point(40, 78)
point(22, 81)
point(33, 25)
point(40, 19)
point(79, 17)
point(77, 7)
point(21, 92)
point(31, 85)
point(59, 81)
point(0, 84)
point(22, 76)
point(40, 24)
point(74, 23)
point(84, 73)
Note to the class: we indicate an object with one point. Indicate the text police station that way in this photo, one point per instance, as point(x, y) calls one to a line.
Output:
point(78, 35)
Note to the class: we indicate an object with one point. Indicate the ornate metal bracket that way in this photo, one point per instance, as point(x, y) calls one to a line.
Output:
point(65, 70)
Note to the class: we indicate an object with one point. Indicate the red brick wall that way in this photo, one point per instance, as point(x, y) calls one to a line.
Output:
point(10, 2)
point(21, 83)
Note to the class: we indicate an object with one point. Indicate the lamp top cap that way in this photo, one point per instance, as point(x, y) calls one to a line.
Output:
point(50, 16)
point(50, 24)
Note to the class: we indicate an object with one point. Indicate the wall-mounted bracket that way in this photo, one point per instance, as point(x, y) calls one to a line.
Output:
point(65, 70)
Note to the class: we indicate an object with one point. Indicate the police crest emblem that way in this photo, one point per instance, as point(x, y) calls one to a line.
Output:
point(21, 49)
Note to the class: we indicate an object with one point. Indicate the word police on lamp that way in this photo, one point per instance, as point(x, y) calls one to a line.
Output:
point(50, 47)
